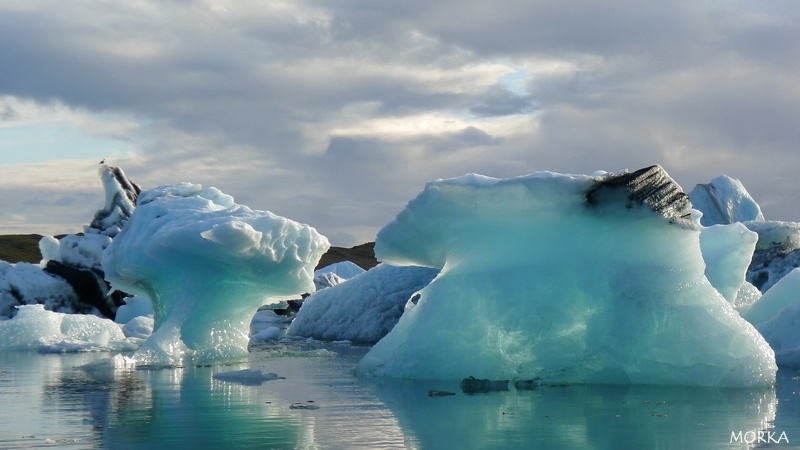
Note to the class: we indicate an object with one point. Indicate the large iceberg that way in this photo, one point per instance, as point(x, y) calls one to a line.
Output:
point(207, 264)
point(589, 279)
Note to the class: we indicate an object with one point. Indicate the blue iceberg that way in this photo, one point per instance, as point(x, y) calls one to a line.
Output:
point(565, 278)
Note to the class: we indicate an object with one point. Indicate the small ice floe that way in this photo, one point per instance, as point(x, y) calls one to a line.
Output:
point(49, 441)
point(472, 385)
point(109, 364)
point(247, 377)
point(269, 316)
point(267, 334)
point(343, 342)
point(435, 393)
point(307, 405)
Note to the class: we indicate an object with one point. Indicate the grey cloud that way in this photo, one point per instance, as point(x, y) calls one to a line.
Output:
point(253, 100)
point(499, 101)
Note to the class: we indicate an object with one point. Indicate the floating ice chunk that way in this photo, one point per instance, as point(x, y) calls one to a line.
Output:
point(207, 264)
point(326, 280)
point(364, 308)
point(140, 327)
point(724, 200)
point(309, 405)
point(75, 250)
point(268, 334)
point(24, 283)
point(105, 365)
point(35, 328)
point(777, 316)
point(269, 316)
point(134, 307)
point(777, 252)
point(784, 293)
point(782, 334)
point(343, 269)
point(566, 278)
point(247, 377)
point(727, 250)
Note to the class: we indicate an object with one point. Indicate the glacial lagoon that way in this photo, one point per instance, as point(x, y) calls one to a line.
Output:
point(60, 401)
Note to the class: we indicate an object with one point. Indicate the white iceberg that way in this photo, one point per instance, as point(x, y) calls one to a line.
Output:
point(24, 283)
point(343, 269)
point(725, 200)
point(69, 278)
point(35, 328)
point(207, 264)
point(364, 308)
point(777, 252)
point(777, 316)
point(566, 278)
point(247, 377)
point(727, 251)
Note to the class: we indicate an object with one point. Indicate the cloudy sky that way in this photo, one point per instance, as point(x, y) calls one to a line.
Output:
point(335, 113)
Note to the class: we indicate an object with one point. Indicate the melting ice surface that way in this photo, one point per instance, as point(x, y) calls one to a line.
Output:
point(207, 264)
point(565, 278)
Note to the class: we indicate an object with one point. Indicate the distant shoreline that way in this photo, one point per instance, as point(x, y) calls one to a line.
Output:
point(16, 248)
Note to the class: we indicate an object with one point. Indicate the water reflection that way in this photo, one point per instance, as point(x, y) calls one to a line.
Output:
point(578, 417)
point(49, 399)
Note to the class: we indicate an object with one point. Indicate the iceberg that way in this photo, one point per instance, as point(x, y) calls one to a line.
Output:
point(34, 328)
point(362, 309)
point(783, 294)
point(781, 308)
point(564, 278)
point(727, 251)
point(725, 200)
point(342, 269)
point(777, 252)
point(69, 278)
point(24, 283)
point(207, 264)
point(776, 315)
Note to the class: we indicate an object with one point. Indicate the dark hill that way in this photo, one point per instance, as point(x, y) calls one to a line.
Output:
point(20, 248)
point(25, 248)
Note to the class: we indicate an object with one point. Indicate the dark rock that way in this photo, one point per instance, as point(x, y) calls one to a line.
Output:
point(768, 266)
point(294, 305)
point(472, 385)
point(650, 187)
point(435, 393)
point(527, 385)
point(90, 288)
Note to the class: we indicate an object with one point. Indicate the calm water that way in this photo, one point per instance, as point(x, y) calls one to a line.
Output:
point(48, 401)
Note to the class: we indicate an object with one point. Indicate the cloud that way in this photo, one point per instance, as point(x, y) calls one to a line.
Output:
point(336, 114)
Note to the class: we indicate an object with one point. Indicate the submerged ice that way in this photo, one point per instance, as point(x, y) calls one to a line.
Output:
point(207, 264)
point(566, 278)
